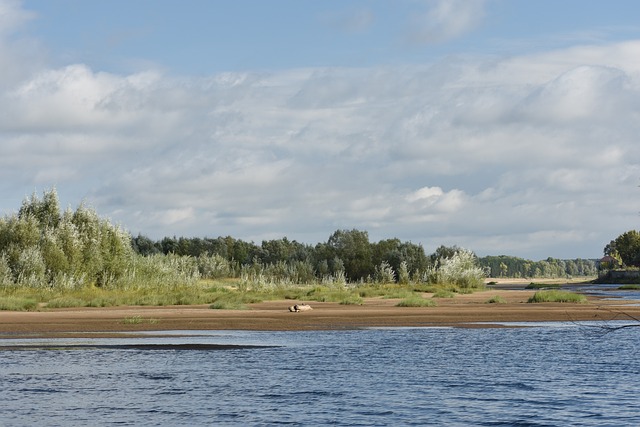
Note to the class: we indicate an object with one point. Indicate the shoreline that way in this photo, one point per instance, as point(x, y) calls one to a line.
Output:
point(471, 311)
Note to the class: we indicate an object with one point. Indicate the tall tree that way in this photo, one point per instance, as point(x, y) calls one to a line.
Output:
point(354, 249)
point(627, 246)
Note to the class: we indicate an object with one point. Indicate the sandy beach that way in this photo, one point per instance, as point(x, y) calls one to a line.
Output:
point(462, 311)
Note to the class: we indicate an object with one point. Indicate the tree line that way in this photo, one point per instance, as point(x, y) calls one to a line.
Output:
point(42, 246)
point(352, 252)
point(514, 267)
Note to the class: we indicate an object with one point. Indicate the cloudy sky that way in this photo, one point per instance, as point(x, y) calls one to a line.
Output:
point(502, 126)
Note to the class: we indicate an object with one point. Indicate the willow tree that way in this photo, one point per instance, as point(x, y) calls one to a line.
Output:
point(41, 246)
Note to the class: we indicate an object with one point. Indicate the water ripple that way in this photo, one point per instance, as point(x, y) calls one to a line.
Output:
point(489, 377)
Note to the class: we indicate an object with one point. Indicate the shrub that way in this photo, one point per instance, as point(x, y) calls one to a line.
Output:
point(460, 270)
point(384, 273)
point(496, 300)
point(416, 301)
point(18, 304)
point(403, 273)
point(557, 296)
point(444, 293)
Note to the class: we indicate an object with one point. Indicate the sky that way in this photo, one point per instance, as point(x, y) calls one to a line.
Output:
point(507, 127)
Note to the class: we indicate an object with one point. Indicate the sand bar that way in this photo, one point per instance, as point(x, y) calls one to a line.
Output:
point(461, 311)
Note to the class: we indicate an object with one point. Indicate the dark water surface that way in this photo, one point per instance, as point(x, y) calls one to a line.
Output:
point(551, 375)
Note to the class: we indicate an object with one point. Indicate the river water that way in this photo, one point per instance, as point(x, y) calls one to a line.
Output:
point(553, 374)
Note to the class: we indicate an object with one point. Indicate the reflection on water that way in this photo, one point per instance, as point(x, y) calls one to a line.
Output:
point(546, 374)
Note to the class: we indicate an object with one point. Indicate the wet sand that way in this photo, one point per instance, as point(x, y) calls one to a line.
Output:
point(461, 311)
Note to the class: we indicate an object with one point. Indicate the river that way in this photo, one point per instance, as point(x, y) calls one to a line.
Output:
point(529, 375)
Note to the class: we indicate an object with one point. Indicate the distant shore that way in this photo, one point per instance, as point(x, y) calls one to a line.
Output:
point(470, 310)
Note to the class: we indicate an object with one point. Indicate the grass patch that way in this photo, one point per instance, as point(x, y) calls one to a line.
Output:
point(352, 300)
point(557, 296)
point(629, 288)
point(416, 301)
point(133, 320)
point(138, 320)
point(324, 294)
point(228, 305)
point(233, 301)
point(496, 300)
point(12, 303)
point(66, 302)
point(533, 285)
point(444, 293)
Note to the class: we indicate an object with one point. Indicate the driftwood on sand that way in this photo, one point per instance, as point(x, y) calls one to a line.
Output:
point(300, 307)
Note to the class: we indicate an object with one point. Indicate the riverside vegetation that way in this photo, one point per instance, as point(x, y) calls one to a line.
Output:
point(54, 259)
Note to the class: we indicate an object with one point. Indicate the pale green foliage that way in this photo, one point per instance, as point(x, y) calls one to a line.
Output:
point(42, 248)
point(384, 273)
point(160, 271)
point(336, 280)
point(461, 269)
point(6, 278)
point(30, 268)
point(214, 266)
point(403, 273)
point(280, 274)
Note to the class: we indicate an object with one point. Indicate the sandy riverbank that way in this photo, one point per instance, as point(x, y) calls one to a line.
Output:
point(462, 311)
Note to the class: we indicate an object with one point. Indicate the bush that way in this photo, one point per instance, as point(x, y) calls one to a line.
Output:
point(384, 273)
point(496, 300)
point(460, 270)
point(557, 296)
point(444, 293)
point(416, 301)
point(18, 304)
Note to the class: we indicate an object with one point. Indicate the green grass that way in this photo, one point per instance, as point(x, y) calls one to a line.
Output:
point(137, 320)
point(557, 296)
point(416, 301)
point(228, 305)
point(629, 288)
point(533, 285)
point(65, 302)
point(133, 320)
point(444, 293)
point(352, 300)
point(234, 301)
point(217, 294)
point(12, 303)
point(496, 300)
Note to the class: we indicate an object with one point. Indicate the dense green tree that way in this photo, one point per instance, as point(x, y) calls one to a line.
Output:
point(354, 249)
point(627, 246)
point(396, 254)
point(145, 246)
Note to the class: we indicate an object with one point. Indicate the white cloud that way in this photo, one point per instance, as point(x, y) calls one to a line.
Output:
point(533, 155)
point(12, 16)
point(446, 20)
